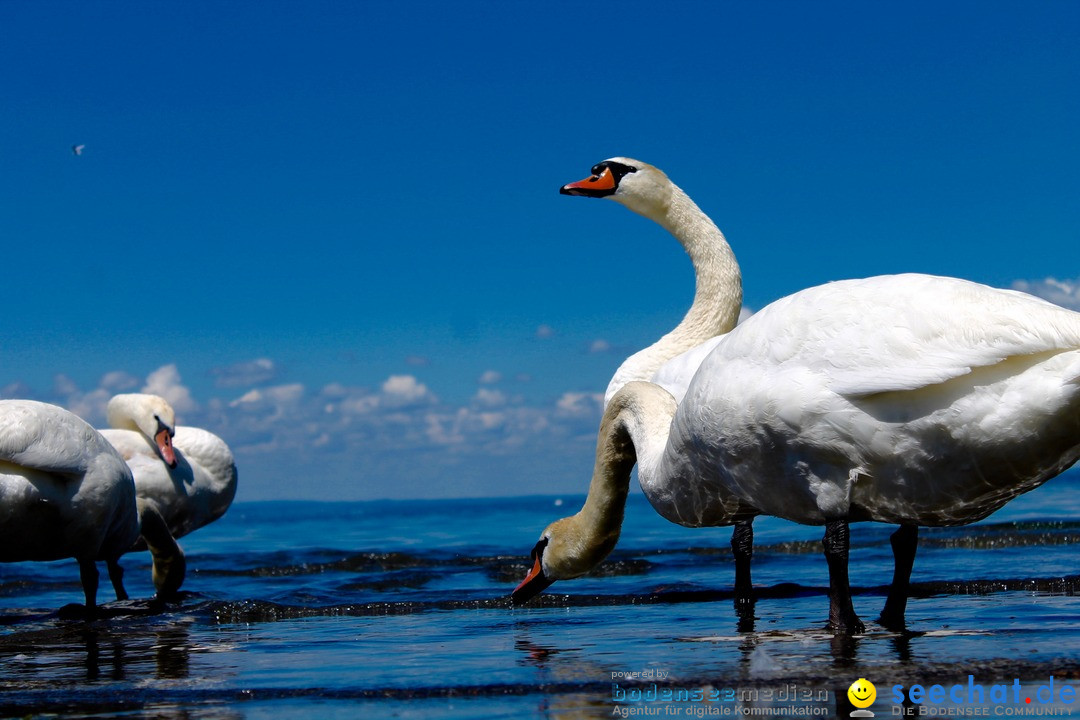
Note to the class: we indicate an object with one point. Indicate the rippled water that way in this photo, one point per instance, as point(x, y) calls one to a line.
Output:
point(400, 609)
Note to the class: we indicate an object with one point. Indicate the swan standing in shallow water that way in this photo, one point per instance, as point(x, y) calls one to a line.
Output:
point(186, 475)
point(65, 492)
point(906, 399)
point(673, 359)
point(610, 179)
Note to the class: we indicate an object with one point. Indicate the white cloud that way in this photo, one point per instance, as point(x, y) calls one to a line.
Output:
point(15, 390)
point(487, 397)
point(581, 404)
point(272, 397)
point(544, 332)
point(63, 385)
point(1062, 292)
point(599, 346)
point(404, 390)
point(251, 397)
point(398, 439)
point(245, 374)
point(119, 382)
point(490, 377)
point(90, 406)
point(165, 381)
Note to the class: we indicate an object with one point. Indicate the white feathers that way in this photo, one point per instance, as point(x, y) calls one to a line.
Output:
point(201, 486)
point(64, 491)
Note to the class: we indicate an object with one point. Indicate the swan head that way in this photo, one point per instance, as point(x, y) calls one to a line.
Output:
point(637, 185)
point(151, 415)
point(566, 550)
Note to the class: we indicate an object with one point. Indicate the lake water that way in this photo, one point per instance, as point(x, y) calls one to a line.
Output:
point(399, 609)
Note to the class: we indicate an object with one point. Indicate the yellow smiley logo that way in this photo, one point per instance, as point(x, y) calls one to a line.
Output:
point(862, 693)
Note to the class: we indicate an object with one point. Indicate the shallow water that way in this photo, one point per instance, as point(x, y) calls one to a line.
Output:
point(399, 609)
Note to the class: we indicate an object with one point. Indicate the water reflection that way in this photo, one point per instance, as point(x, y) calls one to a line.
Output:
point(96, 652)
point(762, 665)
point(844, 650)
point(172, 653)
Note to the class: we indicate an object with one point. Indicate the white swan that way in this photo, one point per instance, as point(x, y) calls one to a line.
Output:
point(185, 474)
point(65, 492)
point(906, 399)
point(718, 283)
point(673, 359)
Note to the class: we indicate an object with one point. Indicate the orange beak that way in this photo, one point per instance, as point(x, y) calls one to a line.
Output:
point(164, 443)
point(593, 186)
point(533, 584)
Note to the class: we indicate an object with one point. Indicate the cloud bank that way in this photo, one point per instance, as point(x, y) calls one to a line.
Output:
point(345, 442)
point(1061, 292)
point(397, 440)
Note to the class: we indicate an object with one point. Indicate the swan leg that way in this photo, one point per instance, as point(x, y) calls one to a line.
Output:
point(905, 542)
point(169, 563)
point(116, 575)
point(88, 574)
point(742, 547)
point(842, 617)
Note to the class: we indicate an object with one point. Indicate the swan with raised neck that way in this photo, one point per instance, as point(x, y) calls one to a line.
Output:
point(718, 295)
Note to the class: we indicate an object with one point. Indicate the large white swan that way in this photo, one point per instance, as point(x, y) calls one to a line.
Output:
point(906, 399)
point(65, 492)
point(185, 474)
point(673, 359)
point(718, 282)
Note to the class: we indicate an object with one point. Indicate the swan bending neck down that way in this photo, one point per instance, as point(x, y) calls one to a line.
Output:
point(186, 477)
point(718, 295)
point(908, 399)
point(65, 492)
point(150, 415)
point(635, 428)
point(673, 359)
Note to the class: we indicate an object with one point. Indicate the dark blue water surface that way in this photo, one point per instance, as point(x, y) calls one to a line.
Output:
point(399, 609)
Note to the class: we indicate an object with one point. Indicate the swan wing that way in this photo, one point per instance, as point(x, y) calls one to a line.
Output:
point(901, 332)
point(47, 438)
point(206, 450)
point(213, 471)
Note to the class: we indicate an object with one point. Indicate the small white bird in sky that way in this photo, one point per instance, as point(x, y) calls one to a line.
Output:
point(77, 149)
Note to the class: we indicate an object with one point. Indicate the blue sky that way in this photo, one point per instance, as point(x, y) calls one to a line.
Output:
point(331, 232)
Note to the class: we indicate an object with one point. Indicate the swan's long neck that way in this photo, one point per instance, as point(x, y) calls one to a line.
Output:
point(121, 413)
point(634, 429)
point(718, 294)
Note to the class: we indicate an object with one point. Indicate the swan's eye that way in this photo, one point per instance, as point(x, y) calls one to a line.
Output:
point(162, 426)
point(620, 170)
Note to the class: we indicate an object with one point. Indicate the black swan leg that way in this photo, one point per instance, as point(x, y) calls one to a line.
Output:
point(116, 575)
point(88, 574)
point(742, 547)
point(842, 617)
point(905, 542)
